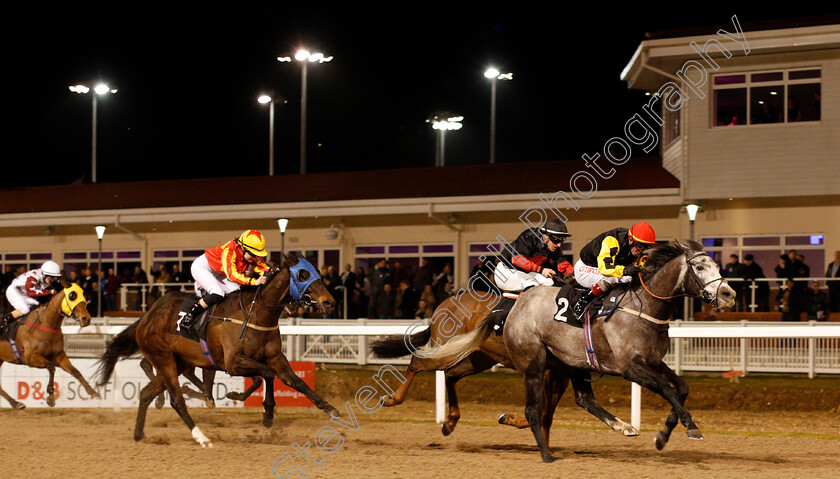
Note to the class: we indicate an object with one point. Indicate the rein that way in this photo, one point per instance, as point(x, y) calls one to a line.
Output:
point(37, 323)
point(244, 323)
point(693, 275)
point(42, 328)
point(702, 285)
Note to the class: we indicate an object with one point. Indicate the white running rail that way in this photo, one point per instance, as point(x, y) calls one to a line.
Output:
point(323, 335)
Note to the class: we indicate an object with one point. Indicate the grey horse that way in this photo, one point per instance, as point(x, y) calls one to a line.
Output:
point(630, 343)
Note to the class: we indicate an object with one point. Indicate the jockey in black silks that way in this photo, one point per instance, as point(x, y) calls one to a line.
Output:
point(609, 259)
point(535, 258)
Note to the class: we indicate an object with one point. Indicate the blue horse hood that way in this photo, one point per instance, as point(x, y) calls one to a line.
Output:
point(298, 288)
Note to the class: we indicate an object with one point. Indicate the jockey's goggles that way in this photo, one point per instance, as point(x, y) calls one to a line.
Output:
point(556, 239)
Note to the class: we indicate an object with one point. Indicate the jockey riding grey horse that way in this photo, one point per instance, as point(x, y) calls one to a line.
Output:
point(630, 343)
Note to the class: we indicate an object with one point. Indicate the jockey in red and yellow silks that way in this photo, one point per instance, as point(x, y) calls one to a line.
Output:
point(229, 260)
point(222, 270)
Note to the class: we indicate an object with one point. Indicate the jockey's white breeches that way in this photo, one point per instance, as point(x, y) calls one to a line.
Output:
point(19, 300)
point(588, 276)
point(514, 280)
point(210, 281)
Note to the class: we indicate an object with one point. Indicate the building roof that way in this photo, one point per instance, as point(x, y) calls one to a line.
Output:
point(749, 25)
point(469, 180)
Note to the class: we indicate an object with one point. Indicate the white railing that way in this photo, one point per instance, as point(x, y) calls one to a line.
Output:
point(316, 340)
point(813, 347)
point(348, 342)
point(754, 347)
point(135, 296)
point(730, 331)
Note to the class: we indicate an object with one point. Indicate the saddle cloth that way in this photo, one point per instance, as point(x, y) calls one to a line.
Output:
point(202, 321)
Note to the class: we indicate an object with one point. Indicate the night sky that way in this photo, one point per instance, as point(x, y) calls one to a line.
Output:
point(188, 83)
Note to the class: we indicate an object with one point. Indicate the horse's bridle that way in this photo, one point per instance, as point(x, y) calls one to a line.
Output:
point(305, 298)
point(706, 297)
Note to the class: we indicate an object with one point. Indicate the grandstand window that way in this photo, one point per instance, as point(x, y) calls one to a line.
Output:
point(11, 261)
point(171, 257)
point(408, 256)
point(319, 257)
point(77, 261)
point(766, 250)
point(781, 96)
point(670, 125)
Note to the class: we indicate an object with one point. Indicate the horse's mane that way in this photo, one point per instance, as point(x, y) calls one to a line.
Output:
point(658, 256)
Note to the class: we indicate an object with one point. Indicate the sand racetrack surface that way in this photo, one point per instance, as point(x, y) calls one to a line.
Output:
point(404, 441)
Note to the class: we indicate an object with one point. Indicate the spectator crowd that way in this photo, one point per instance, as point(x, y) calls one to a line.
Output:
point(391, 291)
point(797, 295)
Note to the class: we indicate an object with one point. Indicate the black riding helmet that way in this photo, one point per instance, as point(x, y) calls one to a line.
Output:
point(555, 230)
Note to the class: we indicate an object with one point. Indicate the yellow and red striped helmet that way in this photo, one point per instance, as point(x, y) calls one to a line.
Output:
point(253, 242)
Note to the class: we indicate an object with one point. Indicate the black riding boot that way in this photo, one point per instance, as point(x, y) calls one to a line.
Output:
point(188, 319)
point(582, 302)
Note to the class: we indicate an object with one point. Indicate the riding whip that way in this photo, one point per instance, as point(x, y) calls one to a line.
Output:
point(248, 316)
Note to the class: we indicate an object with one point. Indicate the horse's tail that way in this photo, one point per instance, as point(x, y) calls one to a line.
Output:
point(122, 346)
point(459, 347)
point(397, 346)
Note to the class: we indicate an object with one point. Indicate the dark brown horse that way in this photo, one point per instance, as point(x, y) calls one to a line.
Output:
point(258, 353)
point(204, 385)
point(459, 315)
point(631, 343)
point(39, 343)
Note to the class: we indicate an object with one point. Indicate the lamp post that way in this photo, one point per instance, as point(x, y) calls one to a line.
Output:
point(691, 209)
point(99, 90)
point(493, 75)
point(304, 56)
point(268, 99)
point(100, 233)
point(282, 223)
point(443, 123)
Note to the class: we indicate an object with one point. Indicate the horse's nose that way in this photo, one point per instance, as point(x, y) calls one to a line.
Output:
point(328, 304)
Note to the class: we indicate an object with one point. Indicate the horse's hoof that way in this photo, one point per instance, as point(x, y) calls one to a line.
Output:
point(694, 434)
point(210, 403)
point(388, 401)
point(446, 430)
point(334, 413)
point(503, 418)
point(139, 437)
point(235, 396)
point(200, 438)
point(51, 402)
point(268, 422)
point(20, 406)
point(549, 459)
point(659, 441)
point(630, 431)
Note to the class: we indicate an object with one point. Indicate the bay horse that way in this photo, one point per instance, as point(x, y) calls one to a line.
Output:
point(204, 385)
point(461, 314)
point(630, 343)
point(39, 342)
point(258, 353)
